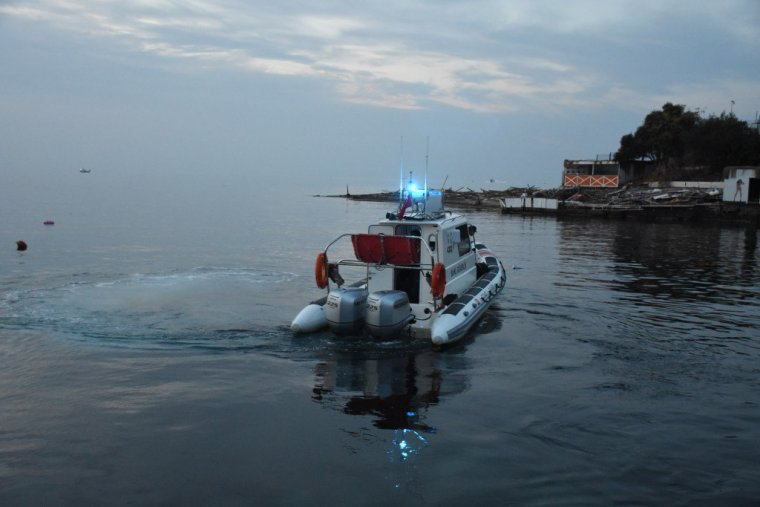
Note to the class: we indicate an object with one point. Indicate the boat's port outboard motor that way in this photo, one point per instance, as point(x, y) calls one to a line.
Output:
point(388, 312)
point(345, 309)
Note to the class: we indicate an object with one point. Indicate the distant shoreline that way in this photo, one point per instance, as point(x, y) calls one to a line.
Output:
point(489, 199)
point(594, 203)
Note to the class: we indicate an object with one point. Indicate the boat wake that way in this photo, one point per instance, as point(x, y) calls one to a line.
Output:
point(205, 308)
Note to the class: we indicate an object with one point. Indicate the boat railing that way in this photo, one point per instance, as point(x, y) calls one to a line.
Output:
point(386, 250)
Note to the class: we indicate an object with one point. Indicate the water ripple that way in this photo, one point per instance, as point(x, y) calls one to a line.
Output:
point(153, 310)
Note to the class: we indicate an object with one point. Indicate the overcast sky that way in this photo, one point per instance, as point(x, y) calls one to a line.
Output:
point(320, 93)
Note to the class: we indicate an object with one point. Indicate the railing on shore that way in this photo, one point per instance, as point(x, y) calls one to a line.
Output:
point(526, 204)
point(686, 184)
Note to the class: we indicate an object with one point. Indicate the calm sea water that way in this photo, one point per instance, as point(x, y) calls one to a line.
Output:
point(145, 358)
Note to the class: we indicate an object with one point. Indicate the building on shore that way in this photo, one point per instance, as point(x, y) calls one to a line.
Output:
point(602, 172)
point(741, 184)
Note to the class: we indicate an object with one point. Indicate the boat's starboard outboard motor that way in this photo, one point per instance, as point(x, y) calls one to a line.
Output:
point(345, 309)
point(388, 312)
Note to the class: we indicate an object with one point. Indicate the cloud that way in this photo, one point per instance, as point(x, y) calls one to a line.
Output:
point(280, 67)
point(326, 27)
point(406, 56)
point(591, 17)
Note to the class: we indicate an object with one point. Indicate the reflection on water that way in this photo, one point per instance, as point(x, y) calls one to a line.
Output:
point(393, 390)
point(397, 389)
point(680, 261)
point(674, 260)
point(671, 302)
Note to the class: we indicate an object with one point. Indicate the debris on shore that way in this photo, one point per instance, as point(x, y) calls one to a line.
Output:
point(642, 196)
point(463, 197)
point(625, 196)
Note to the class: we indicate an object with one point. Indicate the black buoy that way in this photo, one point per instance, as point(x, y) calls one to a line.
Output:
point(21, 245)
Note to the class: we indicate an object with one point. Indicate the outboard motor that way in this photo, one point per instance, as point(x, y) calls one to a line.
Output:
point(388, 312)
point(345, 309)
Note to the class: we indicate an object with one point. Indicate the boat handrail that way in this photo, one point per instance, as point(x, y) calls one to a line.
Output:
point(361, 264)
point(383, 261)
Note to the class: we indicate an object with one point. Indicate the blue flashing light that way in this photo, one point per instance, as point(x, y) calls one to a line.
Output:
point(415, 191)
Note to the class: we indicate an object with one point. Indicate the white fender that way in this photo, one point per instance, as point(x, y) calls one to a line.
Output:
point(311, 318)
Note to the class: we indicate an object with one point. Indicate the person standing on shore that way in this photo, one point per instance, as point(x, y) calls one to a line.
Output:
point(738, 192)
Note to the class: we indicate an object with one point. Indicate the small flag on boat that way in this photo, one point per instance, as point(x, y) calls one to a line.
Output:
point(407, 204)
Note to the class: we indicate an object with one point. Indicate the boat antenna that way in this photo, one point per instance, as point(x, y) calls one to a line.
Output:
point(427, 154)
point(401, 175)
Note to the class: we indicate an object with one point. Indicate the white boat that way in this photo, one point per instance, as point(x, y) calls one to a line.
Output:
point(421, 274)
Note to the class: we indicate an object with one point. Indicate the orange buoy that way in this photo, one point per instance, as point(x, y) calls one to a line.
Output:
point(320, 270)
point(438, 280)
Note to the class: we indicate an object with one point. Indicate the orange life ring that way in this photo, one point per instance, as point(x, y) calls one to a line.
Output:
point(438, 280)
point(320, 270)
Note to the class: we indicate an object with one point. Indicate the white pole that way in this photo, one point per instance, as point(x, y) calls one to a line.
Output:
point(401, 175)
point(427, 154)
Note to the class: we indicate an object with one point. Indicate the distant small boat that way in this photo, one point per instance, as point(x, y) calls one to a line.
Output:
point(85, 171)
point(48, 222)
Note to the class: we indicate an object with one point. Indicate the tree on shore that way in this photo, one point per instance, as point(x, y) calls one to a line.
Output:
point(675, 138)
point(721, 141)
